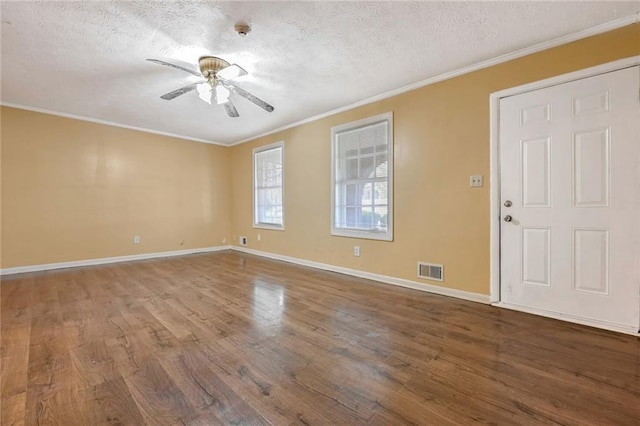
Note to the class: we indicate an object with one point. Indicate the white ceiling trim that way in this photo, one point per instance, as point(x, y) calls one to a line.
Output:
point(108, 123)
point(599, 29)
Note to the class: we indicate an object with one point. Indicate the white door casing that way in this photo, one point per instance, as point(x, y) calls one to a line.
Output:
point(569, 164)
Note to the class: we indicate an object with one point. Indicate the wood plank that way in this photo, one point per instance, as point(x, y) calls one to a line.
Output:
point(214, 400)
point(15, 335)
point(158, 398)
point(12, 411)
point(116, 402)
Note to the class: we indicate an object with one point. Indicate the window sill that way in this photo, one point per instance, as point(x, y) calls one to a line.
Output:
point(267, 226)
point(364, 235)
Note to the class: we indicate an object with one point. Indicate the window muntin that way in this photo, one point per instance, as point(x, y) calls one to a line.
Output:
point(268, 186)
point(362, 167)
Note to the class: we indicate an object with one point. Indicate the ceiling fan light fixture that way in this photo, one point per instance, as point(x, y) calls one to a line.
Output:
point(204, 92)
point(222, 94)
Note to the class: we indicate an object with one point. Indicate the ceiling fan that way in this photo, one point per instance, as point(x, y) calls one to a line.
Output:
point(216, 86)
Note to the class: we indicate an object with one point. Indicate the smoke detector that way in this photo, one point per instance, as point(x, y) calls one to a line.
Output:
point(242, 29)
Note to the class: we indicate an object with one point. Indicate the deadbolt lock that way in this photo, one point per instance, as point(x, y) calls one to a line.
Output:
point(508, 203)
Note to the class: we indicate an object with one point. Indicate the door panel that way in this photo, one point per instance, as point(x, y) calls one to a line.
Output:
point(591, 168)
point(570, 167)
point(535, 172)
point(591, 260)
point(536, 256)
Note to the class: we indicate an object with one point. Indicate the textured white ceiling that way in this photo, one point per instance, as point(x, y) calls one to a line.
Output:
point(305, 58)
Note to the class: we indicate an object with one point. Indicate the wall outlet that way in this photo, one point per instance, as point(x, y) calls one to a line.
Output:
point(243, 241)
point(259, 237)
point(356, 251)
point(475, 181)
point(136, 240)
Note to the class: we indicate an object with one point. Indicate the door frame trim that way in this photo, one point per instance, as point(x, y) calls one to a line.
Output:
point(494, 140)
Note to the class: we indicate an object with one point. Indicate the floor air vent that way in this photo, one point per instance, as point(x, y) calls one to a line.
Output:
point(431, 271)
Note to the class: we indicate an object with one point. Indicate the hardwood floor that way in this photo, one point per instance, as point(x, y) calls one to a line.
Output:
point(229, 338)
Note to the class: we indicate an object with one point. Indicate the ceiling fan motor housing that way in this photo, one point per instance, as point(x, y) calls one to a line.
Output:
point(210, 65)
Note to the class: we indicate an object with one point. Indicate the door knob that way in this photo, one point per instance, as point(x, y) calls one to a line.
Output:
point(508, 203)
point(508, 218)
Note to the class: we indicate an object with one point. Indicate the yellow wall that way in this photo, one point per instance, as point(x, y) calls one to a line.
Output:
point(441, 137)
point(74, 190)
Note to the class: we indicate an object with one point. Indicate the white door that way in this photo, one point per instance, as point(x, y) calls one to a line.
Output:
point(570, 186)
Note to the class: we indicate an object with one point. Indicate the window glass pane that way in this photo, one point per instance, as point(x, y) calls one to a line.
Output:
point(352, 195)
point(351, 217)
point(366, 150)
point(367, 196)
point(366, 217)
point(380, 217)
point(348, 145)
point(367, 168)
point(352, 168)
point(380, 193)
point(381, 165)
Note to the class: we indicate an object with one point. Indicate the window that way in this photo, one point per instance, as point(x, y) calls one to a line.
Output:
point(268, 186)
point(362, 171)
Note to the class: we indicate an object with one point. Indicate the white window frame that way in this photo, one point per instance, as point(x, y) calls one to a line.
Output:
point(256, 151)
point(353, 126)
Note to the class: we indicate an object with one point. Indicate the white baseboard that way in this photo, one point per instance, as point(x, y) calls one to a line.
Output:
point(430, 288)
point(571, 318)
point(104, 260)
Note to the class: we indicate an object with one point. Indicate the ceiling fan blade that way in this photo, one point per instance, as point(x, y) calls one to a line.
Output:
point(231, 109)
point(178, 67)
point(262, 104)
point(231, 72)
point(180, 91)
